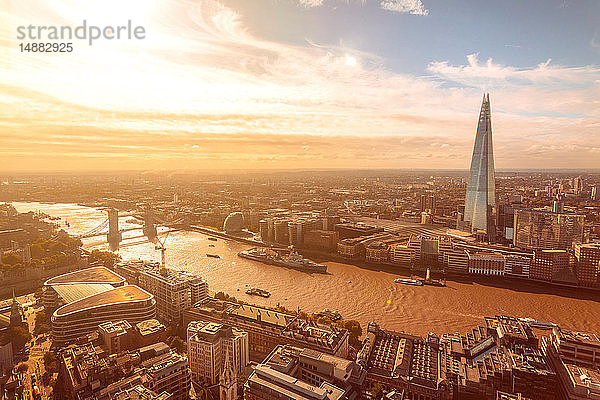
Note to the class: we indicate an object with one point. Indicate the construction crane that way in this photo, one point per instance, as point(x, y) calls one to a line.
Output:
point(160, 245)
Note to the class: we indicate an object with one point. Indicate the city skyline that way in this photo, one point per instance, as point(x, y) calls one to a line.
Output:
point(303, 85)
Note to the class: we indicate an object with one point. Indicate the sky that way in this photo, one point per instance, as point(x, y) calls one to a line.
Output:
point(301, 84)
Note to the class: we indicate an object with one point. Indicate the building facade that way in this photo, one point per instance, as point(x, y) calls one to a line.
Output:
point(174, 291)
point(540, 230)
point(211, 346)
point(481, 188)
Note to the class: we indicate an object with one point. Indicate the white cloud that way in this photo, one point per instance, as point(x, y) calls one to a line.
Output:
point(490, 74)
point(311, 3)
point(414, 7)
point(232, 92)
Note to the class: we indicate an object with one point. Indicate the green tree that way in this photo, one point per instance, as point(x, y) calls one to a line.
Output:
point(50, 362)
point(176, 343)
point(37, 251)
point(107, 258)
point(18, 336)
point(354, 329)
point(22, 368)
point(376, 391)
point(38, 293)
point(11, 259)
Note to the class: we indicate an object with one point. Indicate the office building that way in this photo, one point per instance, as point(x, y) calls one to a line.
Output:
point(575, 356)
point(210, 346)
point(267, 328)
point(515, 265)
point(82, 316)
point(120, 335)
point(538, 229)
point(481, 189)
point(547, 265)
point(116, 336)
point(294, 373)
point(174, 291)
point(486, 263)
point(321, 240)
point(587, 258)
point(403, 362)
point(66, 288)
point(88, 372)
point(427, 204)
point(500, 356)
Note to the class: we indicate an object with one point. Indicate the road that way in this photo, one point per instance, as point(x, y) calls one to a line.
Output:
point(38, 346)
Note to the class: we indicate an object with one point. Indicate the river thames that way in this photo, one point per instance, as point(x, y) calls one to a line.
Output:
point(362, 294)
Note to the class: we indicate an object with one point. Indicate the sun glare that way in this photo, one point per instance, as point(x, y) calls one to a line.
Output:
point(351, 60)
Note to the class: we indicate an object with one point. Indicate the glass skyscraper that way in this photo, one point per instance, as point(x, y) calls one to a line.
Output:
point(481, 190)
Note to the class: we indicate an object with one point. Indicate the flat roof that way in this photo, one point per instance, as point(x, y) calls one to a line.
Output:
point(88, 275)
point(264, 315)
point(75, 291)
point(123, 294)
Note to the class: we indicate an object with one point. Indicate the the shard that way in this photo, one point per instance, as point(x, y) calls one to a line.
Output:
point(481, 190)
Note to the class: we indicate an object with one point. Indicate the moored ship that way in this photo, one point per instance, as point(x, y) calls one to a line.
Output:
point(406, 281)
point(293, 260)
point(258, 292)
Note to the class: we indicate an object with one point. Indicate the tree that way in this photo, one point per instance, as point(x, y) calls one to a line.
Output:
point(176, 343)
point(37, 252)
point(107, 258)
point(41, 329)
point(377, 391)
point(50, 362)
point(11, 259)
point(18, 336)
point(355, 330)
point(22, 368)
point(38, 293)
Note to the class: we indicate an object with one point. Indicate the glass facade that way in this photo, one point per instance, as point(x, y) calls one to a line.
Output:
point(481, 189)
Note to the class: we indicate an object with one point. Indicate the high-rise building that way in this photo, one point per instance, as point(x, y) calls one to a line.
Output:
point(213, 346)
point(290, 372)
point(538, 229)
point(578, 185)
point(428, 203)
point(481, 189)
point(588, 263)
point(174, 291)
point(547, 265)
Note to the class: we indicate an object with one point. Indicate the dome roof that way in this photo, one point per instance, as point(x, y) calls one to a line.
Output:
point(234, 222)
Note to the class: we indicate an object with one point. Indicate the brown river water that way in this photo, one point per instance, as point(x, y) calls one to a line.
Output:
point(362, 294)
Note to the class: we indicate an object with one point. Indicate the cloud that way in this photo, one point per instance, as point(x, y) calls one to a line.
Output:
point(311, 3)
point(490, 75)
point(249, 102)
point(414, 7)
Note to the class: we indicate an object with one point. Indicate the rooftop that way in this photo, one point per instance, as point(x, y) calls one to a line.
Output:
point(581, 337)
point(264, 315)
point(149, 326)
point(88, 275)
point(74, 291)
point(123, 294)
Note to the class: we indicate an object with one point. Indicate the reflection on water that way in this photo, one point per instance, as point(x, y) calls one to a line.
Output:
point(361, 294)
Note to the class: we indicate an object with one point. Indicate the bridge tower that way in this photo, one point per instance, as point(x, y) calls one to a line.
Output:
point(149, 226)
point(114, 236)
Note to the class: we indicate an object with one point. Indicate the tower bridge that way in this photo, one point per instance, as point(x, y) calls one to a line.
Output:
point(114, 234)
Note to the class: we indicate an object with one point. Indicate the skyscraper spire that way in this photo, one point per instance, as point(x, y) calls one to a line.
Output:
point(481, 189)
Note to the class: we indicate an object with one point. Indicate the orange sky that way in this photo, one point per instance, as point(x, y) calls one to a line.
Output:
point(202, 92)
